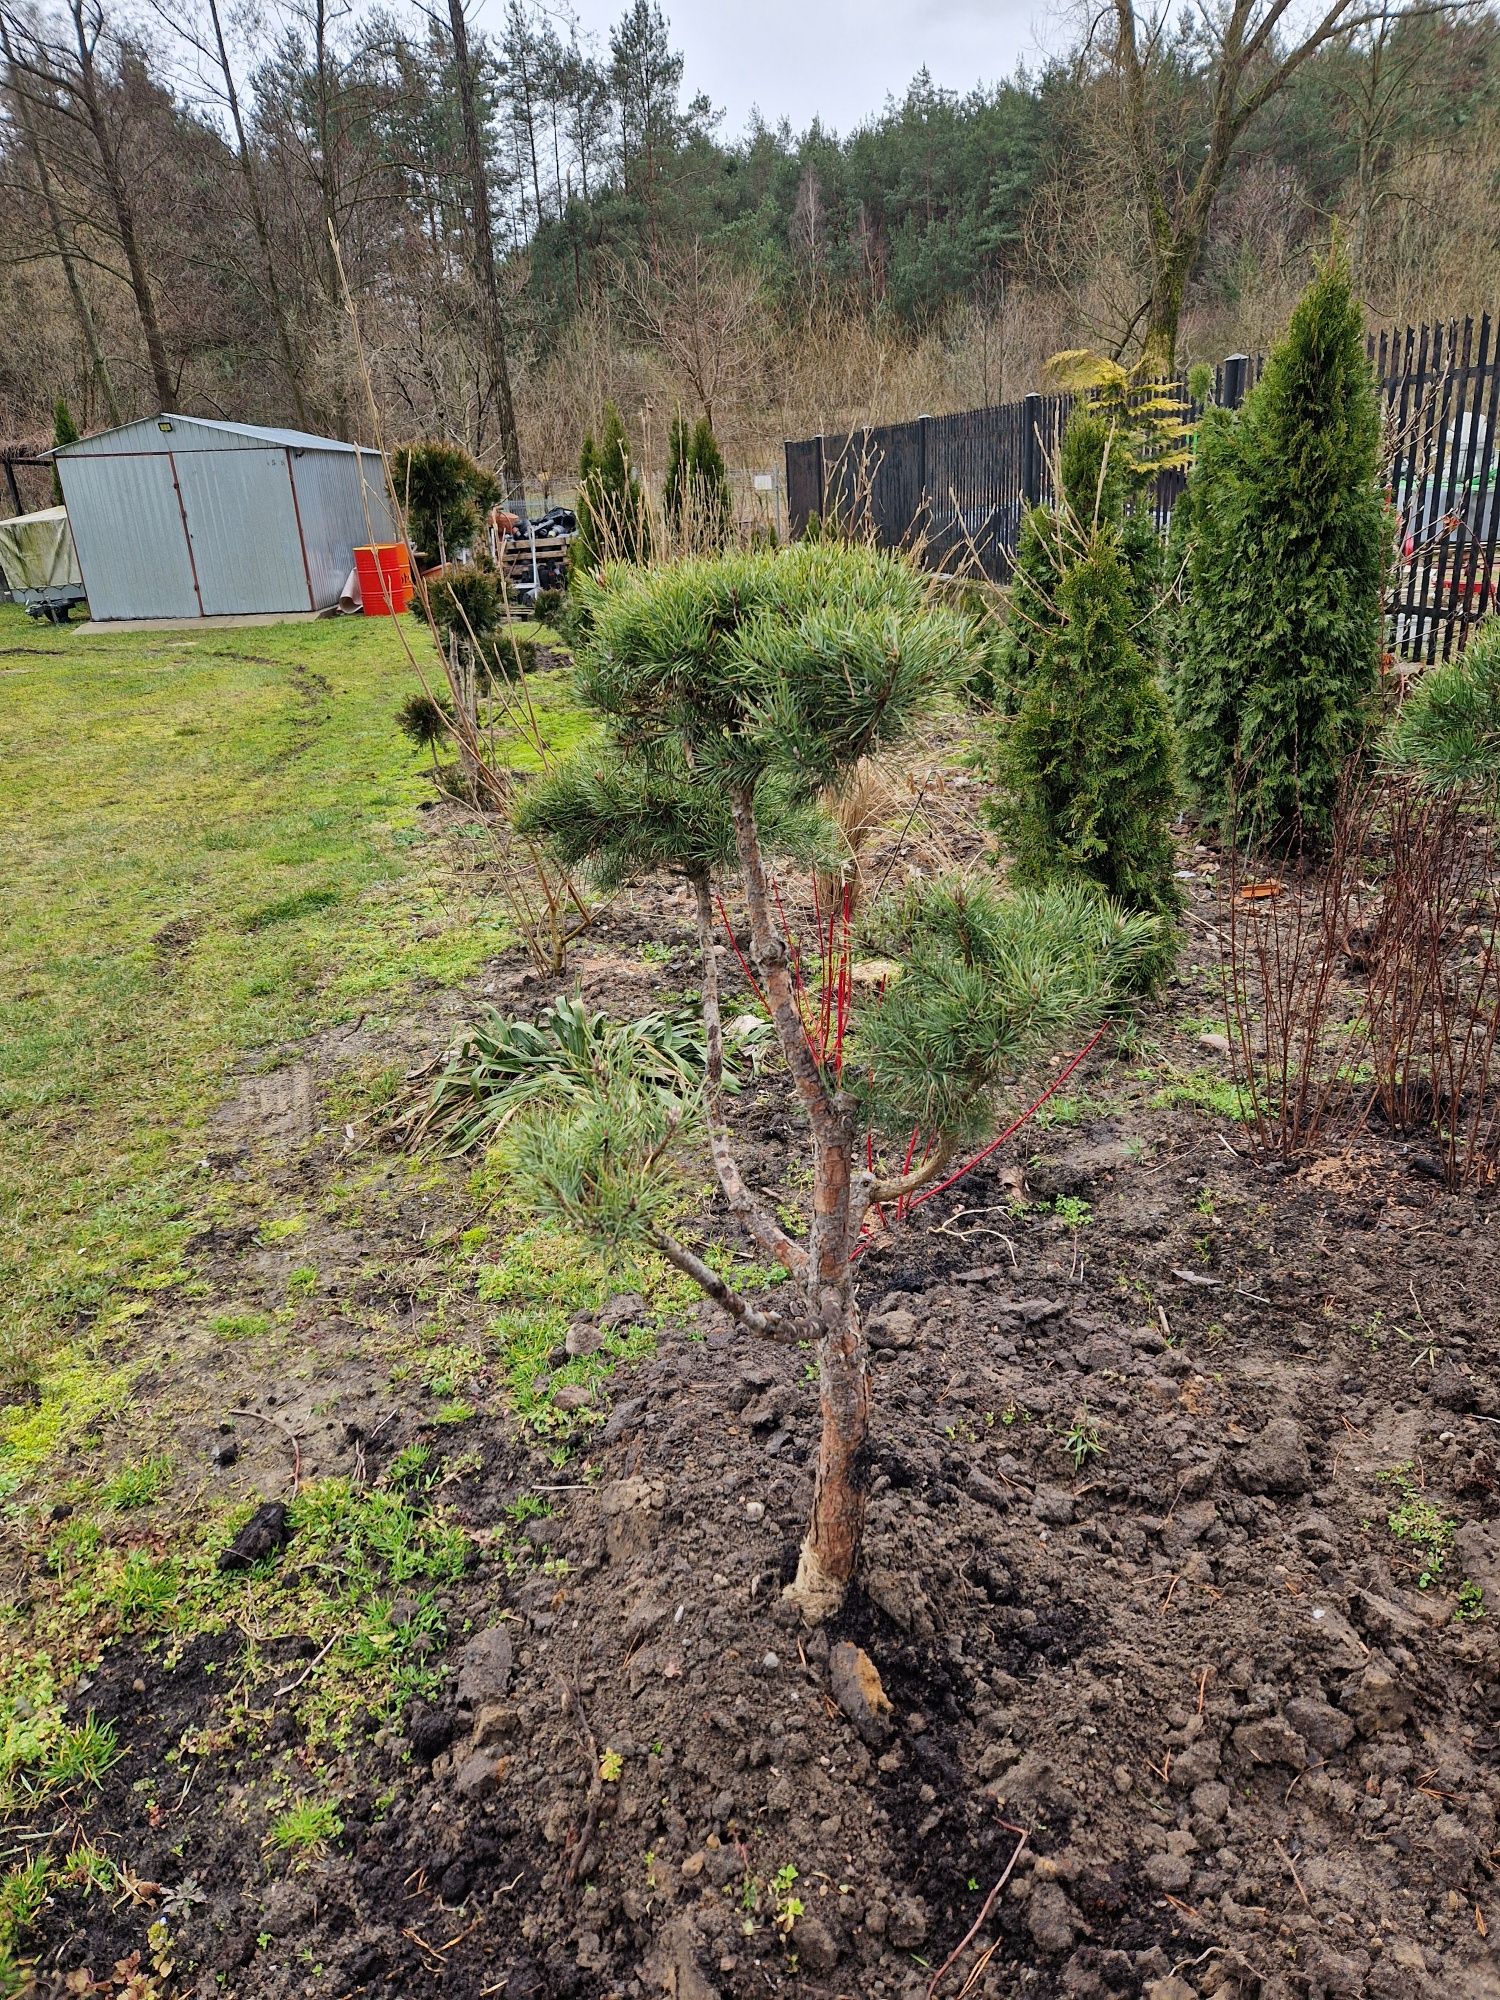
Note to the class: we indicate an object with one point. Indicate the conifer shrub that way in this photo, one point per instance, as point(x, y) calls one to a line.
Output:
point(674, 492)
point(1448, 732)
point(64, 431)
point(696, 502)
point(733, 694)
point(1287, 557)
point(1086, 766)
point(709, 482)
point(614, 524)
point(466, 607)
point(444, 495)
point(1096, 487)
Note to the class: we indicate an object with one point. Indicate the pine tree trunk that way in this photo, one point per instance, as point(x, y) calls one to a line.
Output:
point(830, 1548)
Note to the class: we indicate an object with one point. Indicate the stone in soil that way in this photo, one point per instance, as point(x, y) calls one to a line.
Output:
point(855, 1683)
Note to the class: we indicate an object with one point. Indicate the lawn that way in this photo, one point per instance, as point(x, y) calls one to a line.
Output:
point(213, 846)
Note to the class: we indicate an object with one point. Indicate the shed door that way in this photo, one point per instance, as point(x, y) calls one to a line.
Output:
point(127, 529)
point(243, 521)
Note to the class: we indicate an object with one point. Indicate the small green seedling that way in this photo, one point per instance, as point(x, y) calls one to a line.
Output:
point(1470, 1602)
point(611, 1767)
point(1083, 1441)
point(788, 1906)
point(1420, 1523)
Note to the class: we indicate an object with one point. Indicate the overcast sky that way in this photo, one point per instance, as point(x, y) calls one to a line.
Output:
point(834, 59)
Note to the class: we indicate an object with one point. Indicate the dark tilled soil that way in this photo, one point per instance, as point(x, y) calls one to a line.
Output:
point(1190, 1674)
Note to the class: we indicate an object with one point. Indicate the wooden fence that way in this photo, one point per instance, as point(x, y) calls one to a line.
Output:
point(955, 488)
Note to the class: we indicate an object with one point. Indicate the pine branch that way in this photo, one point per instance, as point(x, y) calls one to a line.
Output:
point(770, 955)
point(770, 1325)
point(904, 1184)
point(763, 1230)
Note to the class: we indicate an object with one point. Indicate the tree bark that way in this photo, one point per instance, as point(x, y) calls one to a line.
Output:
point(482, 250)
point(88, 94)
point(835, 1529)
point(82, 310)
point(259, 222)
point(759, 1225)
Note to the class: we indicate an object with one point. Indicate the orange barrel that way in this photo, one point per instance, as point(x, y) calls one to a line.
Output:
point(384, 573)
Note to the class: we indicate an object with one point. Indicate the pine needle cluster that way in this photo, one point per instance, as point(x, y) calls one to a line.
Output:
point(1448, 732)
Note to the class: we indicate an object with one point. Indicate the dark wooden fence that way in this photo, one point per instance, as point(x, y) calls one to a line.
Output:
point(956, 487)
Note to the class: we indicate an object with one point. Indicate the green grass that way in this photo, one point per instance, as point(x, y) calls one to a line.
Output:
point(305, 1828)
point(1420, 1523)
point(138, 1485)
point(212, 847)
point(355, 1552)
point(544, 1277)
point(1201, 1092)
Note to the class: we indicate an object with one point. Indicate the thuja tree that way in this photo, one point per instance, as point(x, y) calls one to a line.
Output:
point(733, 695)
point(1098, 485)
point(613, 520)
point(64, 431)
point(696, 503)
point(1087, 766)
point(1288, 551)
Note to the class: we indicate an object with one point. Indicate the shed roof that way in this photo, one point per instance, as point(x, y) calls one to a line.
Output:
point(200, 433)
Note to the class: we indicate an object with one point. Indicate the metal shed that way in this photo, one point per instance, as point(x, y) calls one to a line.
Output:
point(192, 517)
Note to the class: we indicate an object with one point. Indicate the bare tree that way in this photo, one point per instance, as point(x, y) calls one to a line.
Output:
point(1251, 49)
point(707, 316)
point(206, 38)
point(482, 253)
point(66, 255)
point(68, 78)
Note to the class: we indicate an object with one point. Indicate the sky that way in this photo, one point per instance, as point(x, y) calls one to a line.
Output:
point(834, 59)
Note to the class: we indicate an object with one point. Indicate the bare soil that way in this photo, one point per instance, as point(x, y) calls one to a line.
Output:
point(1249, 1755)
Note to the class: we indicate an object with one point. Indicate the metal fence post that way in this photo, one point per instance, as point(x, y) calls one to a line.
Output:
point(1031, 451)
point(822, 479)
point(922, 513)
point(1235, 368)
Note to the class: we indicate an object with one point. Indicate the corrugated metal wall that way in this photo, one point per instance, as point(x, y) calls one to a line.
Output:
point(127, 528)
point(221, 526)
point(243, 528)
point(343, 504)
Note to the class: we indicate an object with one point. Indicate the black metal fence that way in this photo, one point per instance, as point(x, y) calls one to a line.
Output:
point(956, 487)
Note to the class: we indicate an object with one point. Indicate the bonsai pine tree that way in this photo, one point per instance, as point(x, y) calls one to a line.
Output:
point(1288, 552)
point(733, 693)
point(1087, 766)
point(613, 523)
